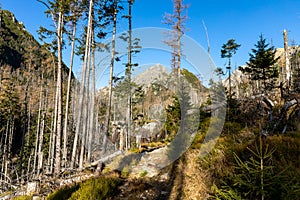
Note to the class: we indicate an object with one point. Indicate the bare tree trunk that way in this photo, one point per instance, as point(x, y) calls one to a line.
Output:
point(41, 139)
point(65, 132)
point(40, 150)
point(108, 110)
point(9, 147)
point(53, 126)
point(82, 89)
point(84, 134)
point(4, 158)
point(229, 71)
point(29, 162)
point(59, 86)
point(179, 34)
point(129, 113)
point(287, 59)
point(85, 116)
point(52, 138)
point(25, 127)
point(28, 133)
point(38, 129)
point(92, 103)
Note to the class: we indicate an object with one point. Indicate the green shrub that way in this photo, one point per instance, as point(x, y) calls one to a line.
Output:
point(266, 167)
point(23, 198)
point(63, 193)
point(232, 128)
point(197, 142)
point(125, 172)
point(96, 189)
point(143, 173)
point(225, 192)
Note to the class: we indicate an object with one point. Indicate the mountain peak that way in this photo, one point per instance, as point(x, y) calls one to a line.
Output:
point(154, 73)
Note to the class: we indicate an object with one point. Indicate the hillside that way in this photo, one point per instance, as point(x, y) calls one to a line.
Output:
point(24, 62)
point(27, 93)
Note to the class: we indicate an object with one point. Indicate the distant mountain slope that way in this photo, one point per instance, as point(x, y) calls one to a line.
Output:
point(22, 58)
point(18, 48)
point(15, 41)
point(27, 80)
point(154, 73)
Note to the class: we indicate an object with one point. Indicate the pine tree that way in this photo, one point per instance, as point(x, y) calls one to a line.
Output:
point(255, 178)
point(227, 51)
point(261, 65)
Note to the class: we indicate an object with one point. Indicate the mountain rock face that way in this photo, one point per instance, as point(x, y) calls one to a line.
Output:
point(154, 93)
point(155, 73)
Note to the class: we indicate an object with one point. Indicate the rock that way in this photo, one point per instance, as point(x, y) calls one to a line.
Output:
point(152, 163)
point(164, 177)
point(33, 187)
point(35, 197)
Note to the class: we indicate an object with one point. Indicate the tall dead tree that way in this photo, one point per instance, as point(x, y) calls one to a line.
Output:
point(111, 71)
point(73, 18)
point(128, 73)
point(41, 138)
point(176, 21)
point(59, 90)
point(91, 103)
point(57, 10)
point(35, 158)
point(83, 85)
point(25, 126)
point(85, 119)
point(287, 59)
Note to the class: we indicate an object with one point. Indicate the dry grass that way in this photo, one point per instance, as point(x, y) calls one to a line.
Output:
point(196, 179)
point(191, 181)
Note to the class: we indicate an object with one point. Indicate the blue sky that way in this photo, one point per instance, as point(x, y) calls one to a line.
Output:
point(242, 20)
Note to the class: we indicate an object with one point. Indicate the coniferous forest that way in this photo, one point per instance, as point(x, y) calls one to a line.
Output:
point(161, 133)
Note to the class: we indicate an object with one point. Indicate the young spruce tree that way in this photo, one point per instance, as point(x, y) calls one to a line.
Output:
point(261, 66)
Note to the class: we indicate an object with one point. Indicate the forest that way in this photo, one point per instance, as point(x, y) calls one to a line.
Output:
point(162, 133)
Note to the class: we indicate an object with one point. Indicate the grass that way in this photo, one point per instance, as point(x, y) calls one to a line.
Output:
point(96, 189)
point(63, 193)
point(125, 172)
point(222, 167)
point(92, 189)
point(23, 198)
point(143, 174)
